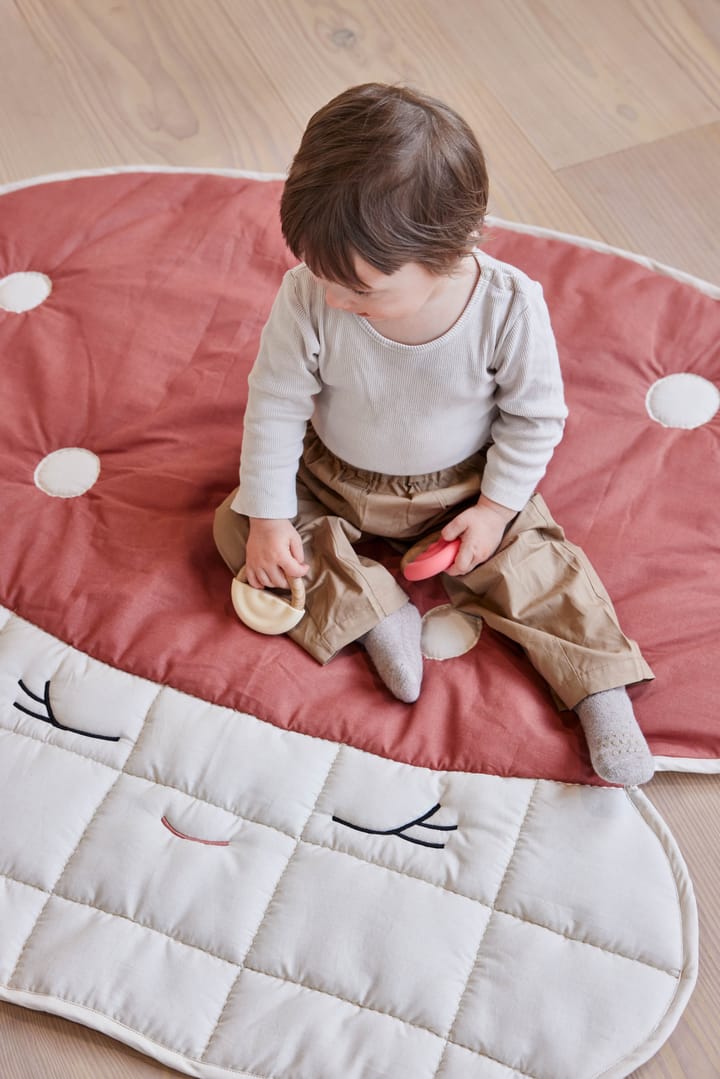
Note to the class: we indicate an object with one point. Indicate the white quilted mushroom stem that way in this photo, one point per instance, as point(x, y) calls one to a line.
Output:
point(206, 881)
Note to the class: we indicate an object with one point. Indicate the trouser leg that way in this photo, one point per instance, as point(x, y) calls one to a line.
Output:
point(346, 593)
point(542, 592)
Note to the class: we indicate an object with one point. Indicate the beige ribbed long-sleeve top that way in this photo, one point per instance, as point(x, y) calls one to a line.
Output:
point(494, 376)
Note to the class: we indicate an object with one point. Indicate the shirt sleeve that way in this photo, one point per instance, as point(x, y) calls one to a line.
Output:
point(530, 403)
point(282, 385)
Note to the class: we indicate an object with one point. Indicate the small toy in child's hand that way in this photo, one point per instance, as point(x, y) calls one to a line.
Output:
point(436, 558)
point(266, 612)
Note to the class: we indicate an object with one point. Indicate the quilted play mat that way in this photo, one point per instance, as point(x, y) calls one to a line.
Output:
point(244, 864)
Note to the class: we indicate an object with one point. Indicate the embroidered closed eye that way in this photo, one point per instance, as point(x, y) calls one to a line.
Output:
point(402, 829)
point(49, 716)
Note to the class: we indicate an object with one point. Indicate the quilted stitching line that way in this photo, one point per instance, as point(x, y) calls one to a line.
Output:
point(381, 1011)
point(243, 1072)
point(365, 860)
point(345, 1000)
point(489, 906)
point(141, 925)
point(242, 818)
point(144, 727)
point(153, 929)
point(270, 902)
point(56, 745)
point(25, 884)
point(449, 1038)
point(51, 891)
point(486, 1056)
point(523, 822)
point(672, 972)
point(121, 772)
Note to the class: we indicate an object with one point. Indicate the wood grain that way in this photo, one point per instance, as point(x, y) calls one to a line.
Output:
point(664, 217)
point(585, 80)
point(601, 119)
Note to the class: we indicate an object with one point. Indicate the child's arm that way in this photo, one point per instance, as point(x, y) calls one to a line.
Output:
point(530, 403)
point(273, 554)
point(282, 386)
point(529, 424)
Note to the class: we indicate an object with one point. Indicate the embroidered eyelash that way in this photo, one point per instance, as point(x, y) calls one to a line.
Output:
point(50, 716)
point(419, 822)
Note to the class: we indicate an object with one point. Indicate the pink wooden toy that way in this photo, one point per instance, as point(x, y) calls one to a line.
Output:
point(436, 558)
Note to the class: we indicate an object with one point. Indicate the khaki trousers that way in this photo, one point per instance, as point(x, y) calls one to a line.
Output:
point(537, 589)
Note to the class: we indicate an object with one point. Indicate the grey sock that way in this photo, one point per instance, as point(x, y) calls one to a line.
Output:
point(394, 647)
point(618, 750)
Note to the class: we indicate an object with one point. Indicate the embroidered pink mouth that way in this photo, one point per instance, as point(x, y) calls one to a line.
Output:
point(194, 838)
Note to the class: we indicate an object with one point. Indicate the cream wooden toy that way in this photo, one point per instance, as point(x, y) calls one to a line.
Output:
point(266, 612)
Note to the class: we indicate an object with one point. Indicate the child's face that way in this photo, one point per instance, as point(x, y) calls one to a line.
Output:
point(397, 295)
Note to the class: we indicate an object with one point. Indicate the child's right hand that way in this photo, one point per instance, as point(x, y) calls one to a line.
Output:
point(273, 554)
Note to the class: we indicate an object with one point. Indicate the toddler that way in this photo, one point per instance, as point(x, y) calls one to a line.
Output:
point(408, 386)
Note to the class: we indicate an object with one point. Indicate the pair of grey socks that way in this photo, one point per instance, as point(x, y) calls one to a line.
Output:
point(618, 750)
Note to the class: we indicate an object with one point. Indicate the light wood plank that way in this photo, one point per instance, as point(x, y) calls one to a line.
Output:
point(154, 82)
point(662, 199)
point(688, 35)
point(581, 79)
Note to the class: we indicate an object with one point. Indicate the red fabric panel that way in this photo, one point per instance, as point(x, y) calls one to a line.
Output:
point(161, 284)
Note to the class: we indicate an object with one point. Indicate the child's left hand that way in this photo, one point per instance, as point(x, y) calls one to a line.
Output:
point(480, 530)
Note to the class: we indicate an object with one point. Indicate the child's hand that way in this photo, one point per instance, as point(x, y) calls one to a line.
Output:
point(480, 530)
point(274, 553)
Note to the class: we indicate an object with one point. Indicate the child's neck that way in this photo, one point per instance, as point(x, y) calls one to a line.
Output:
point(439, 314)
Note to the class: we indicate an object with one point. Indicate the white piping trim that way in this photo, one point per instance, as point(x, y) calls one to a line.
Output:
point(690, 941)
point(115, 170)
point(607, 249)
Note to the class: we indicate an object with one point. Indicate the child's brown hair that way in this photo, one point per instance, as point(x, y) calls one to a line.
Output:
point(389, 174)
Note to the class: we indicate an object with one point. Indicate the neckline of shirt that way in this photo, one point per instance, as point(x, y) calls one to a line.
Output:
point(480, 285)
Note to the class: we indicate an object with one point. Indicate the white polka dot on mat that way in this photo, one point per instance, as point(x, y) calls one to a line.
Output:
point(22, 291)
point(67, 473)
point(682, 400)
point(447, 633)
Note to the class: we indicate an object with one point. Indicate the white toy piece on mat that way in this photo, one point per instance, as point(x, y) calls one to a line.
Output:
point(236, 900)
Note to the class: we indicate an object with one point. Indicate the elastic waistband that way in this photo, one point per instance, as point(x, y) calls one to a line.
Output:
point(475, 462)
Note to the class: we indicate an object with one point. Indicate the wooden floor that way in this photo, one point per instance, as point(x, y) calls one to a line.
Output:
point(598, 118)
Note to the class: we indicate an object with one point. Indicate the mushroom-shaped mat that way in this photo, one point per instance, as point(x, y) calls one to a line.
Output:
point(245, 864)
